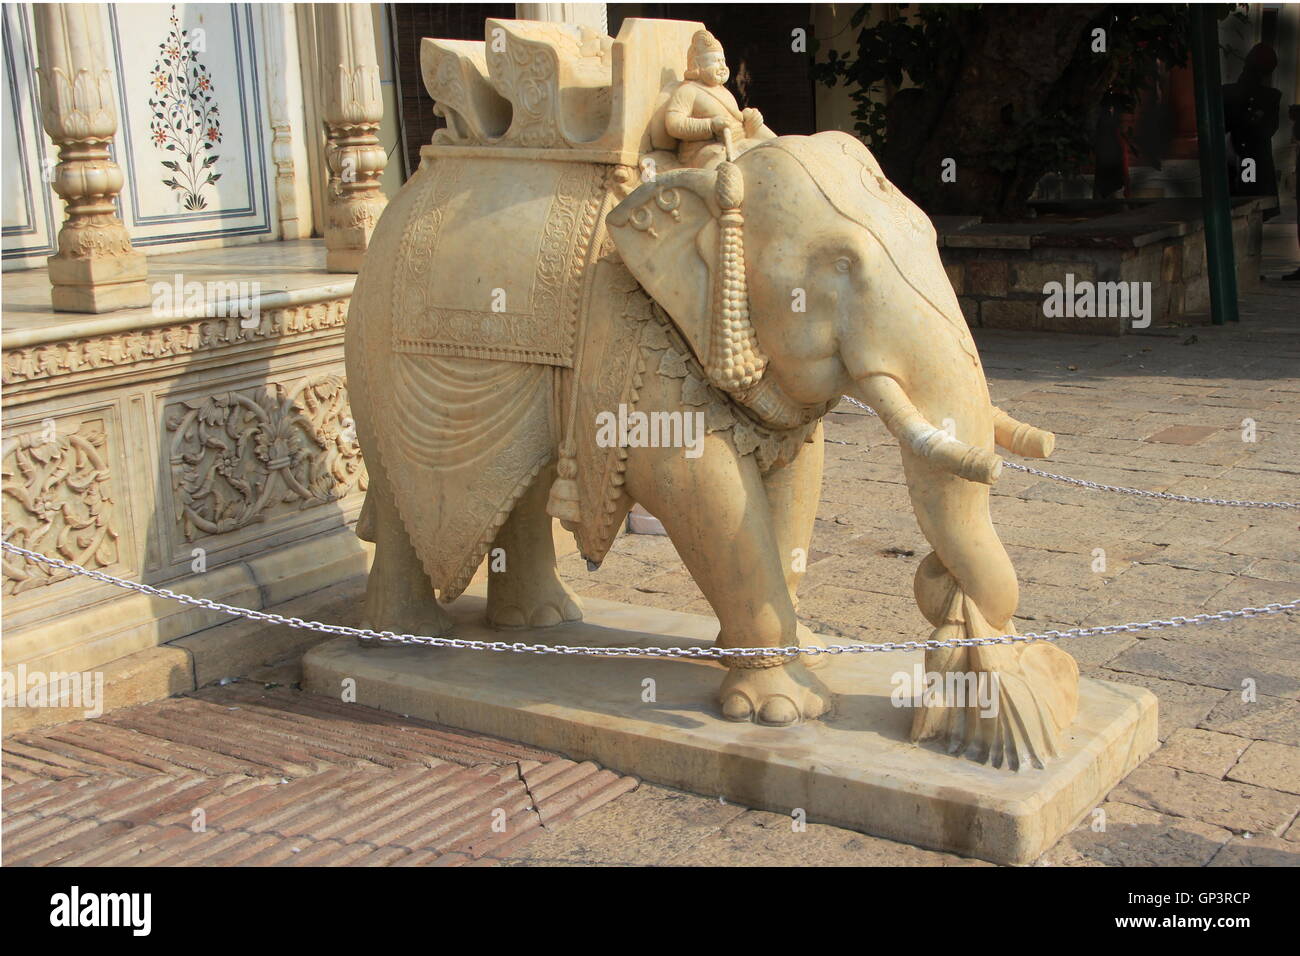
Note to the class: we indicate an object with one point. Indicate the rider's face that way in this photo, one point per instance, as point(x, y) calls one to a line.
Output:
point(712, 68)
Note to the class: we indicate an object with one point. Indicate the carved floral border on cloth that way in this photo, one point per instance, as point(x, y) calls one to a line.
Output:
point(185, 119)
point(58, 501)
point(236, 455)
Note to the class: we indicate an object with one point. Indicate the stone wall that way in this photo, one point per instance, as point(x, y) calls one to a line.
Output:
point(217, 459)
point(999, 270)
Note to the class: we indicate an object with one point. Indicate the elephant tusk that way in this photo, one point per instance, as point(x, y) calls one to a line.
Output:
point(1019, 438)
point(908, 425)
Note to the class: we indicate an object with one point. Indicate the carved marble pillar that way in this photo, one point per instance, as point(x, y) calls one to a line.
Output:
point(285, 109)
point(96, 268)
point(353, 110)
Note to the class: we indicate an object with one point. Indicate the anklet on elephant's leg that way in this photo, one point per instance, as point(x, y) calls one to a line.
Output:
point(745, 662)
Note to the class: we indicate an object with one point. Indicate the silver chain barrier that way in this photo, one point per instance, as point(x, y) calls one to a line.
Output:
point(1138, 492)
point(713, 653)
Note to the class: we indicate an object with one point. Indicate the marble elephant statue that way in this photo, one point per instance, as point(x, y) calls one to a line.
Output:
point(532, 339)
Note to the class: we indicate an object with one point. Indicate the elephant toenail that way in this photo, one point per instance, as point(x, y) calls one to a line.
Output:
point(510, 616)
point(778, 711)
point(737, 707)
point(545, 616)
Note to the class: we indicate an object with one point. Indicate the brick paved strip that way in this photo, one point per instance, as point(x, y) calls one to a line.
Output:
point(30, 794)
point(331, 739)
point(366, 723)
point(332, 818)
point(283, 779)
point(102, 752)
point(212, 732)
point(150, 753)
point(293, 750)
point(398, 815)
point(33, 767)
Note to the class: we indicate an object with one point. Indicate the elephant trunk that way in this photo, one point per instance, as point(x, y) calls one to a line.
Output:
point(948, 481)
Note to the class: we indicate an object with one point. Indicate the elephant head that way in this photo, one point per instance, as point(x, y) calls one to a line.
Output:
point(798, 273)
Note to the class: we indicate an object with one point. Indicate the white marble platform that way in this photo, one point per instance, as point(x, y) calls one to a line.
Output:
point(288, 273)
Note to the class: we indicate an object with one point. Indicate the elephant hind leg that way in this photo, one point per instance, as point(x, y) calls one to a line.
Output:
point(399, 595)
point(524, 589)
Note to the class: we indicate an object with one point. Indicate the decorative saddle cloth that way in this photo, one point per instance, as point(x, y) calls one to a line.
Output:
point(492, 259)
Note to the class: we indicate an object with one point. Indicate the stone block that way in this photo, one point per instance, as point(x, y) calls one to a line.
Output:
point(1031, 276)
point(986, 277)
point(956, 276)
point(1171, 263)
point(1222, 803)
point(1201, 751)
point(239, 647)
point(1194, 254)
point(1012, 314)
point(100, 284)
point(1267, 764)
point(970, 309)
point(138, 678)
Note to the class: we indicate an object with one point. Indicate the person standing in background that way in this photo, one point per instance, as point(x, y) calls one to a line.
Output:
point(1293, 113)
point(1251, 117)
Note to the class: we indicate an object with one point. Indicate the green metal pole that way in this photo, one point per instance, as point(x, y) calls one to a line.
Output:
point(1220, 262)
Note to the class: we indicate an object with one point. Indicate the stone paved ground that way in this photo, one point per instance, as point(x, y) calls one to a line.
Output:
point(278, 771)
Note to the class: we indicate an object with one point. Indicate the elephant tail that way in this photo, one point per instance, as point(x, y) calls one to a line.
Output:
point(365, 529)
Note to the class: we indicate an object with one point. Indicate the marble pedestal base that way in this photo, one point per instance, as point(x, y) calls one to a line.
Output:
point(855, 769)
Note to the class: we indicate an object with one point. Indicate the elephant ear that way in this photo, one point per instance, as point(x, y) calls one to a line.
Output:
point(682, 237)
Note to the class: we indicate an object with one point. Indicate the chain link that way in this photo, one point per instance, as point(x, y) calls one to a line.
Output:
point(708, 653)
point(1137, 492)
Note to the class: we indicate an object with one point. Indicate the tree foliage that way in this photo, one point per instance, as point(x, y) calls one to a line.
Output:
point(1010, 92)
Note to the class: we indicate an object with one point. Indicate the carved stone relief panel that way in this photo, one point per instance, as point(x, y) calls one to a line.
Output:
point(61, 498)
point(250, 455)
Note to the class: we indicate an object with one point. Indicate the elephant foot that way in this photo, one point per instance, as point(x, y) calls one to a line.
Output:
point(521, 602)
point(393, 608)
point(773, 696)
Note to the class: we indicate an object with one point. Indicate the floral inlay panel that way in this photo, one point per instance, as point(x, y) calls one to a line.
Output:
point(186, 120)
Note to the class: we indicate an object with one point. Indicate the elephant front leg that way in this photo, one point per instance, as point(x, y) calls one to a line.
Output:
point(793, 493)
point(715, 510)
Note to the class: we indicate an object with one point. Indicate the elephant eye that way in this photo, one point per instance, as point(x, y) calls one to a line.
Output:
point(842, 264)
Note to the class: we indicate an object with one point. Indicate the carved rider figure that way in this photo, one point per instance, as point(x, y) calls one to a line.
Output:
point(701, 108)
